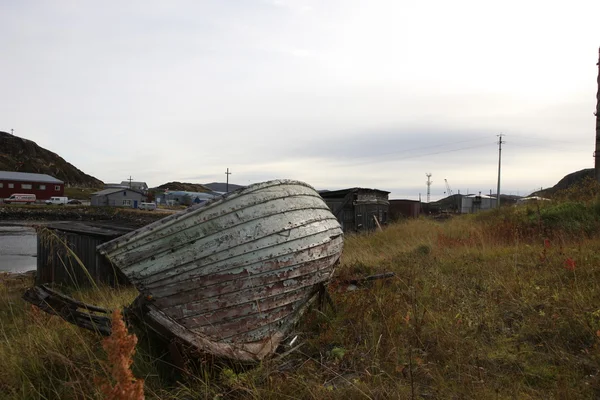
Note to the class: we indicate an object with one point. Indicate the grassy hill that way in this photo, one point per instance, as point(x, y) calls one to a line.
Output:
point(23, 155)
point(567, 181)
point(187, 187)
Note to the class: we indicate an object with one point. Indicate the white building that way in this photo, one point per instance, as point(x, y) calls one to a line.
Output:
point(473, 203)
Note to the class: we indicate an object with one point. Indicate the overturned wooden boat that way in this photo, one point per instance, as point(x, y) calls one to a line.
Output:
point(231, 277)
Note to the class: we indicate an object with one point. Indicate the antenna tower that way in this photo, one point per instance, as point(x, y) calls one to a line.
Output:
point(429, 182)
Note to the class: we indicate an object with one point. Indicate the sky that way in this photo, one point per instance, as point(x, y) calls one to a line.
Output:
point(337, 94)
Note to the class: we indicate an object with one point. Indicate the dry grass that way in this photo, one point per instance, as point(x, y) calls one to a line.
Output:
point(120, 348)
point(499, 305)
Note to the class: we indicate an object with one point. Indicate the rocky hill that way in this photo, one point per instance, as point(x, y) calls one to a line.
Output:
point(23, 155)
point(569, 180)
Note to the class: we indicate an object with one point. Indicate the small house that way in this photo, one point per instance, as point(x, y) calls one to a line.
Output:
point(473, 203)
point(42, 185)
point(118, 197)
point(358, 209)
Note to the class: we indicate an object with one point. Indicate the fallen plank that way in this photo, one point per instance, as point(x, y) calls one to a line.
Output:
point(67, 308)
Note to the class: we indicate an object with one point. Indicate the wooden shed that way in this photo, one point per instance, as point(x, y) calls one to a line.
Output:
point(357, 208)
point(65, 248)
point(404, 209)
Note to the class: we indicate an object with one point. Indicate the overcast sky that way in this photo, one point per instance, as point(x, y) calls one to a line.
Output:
point(334, 93)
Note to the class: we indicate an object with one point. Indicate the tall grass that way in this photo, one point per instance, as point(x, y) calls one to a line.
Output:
point(504, 304)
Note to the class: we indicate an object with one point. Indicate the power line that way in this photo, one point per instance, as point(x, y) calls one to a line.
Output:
point(421, 148)
point(539, 138)
point(422, 155)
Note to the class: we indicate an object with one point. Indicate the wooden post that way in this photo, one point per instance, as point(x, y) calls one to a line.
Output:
point(377, 222)
point(597, 149)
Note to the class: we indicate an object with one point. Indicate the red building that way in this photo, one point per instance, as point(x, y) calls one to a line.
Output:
point(43, 186)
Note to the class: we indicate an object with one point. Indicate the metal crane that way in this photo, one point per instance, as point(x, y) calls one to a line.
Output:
point(448, 189)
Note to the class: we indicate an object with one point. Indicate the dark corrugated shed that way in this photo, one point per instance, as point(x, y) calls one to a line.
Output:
point(357, 208)
point(78, 264)
point(404, 209)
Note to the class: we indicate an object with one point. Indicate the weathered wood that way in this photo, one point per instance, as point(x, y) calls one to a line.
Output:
point(199, 259)
point(242, 205)
point(377, 222)
point(262, 272)
point(235, 299)
point(67, 308)
point(231, 276)
point(231, 313)
point(244, 280)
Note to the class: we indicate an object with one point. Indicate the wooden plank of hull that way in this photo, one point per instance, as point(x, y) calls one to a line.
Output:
point(218, 234)
point(177, 264)
point(257, 270)
point(250, 323)
point(186, 219)
point(248, 351)
point(227, 314)
point(240, 206)
point(262, 331)
point(243, 348)
point(305, 285)
point(205, 300)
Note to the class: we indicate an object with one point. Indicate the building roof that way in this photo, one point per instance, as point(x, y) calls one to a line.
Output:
point(483, 196)
point(202, 195)
point(104, 229)
point(404, 201)
point(106, 192)
point(27, 177)
point(343, 192)
point(133, 183)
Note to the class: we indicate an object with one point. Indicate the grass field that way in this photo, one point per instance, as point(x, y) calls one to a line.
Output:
point(499, 305)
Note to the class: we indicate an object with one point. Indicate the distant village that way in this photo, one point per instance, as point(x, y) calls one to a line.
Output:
point(357, 208)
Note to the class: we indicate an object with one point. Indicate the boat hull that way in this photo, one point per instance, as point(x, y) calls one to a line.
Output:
point(232, 276)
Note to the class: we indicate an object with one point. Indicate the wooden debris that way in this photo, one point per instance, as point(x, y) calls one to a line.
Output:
point(378, 224)
point(68, 309)
point(371, 278)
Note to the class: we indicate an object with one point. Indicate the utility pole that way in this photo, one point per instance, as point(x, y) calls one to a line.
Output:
point(227, 185)
point(429, 182)
point(12, 132)
point(597, 113)
point(130, 179)
point(499, 166)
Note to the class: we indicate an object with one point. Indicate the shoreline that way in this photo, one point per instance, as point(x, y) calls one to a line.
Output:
point(39, 215)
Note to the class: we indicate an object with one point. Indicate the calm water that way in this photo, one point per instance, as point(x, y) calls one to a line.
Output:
point(18, 248)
